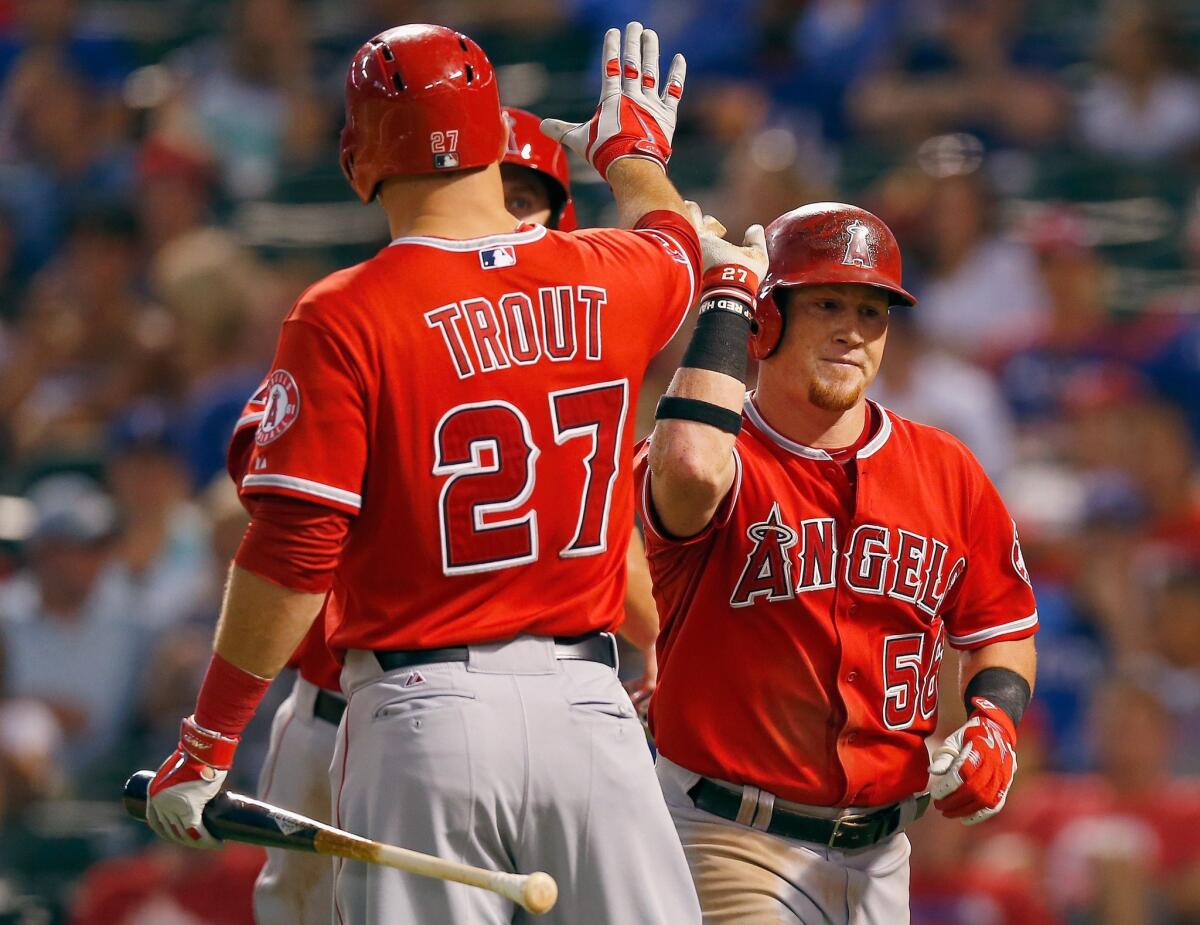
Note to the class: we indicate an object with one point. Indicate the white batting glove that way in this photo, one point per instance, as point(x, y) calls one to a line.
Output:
point(186, 781)
point(728, 268)
point(633, 119)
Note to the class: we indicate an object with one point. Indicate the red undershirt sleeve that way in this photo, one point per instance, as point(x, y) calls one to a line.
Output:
point(294, 544)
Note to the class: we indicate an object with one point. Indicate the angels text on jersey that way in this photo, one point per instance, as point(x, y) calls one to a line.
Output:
point(874, 560)
point(557, 323)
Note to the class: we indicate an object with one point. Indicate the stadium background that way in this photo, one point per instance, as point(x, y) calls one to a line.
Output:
point(168, 185)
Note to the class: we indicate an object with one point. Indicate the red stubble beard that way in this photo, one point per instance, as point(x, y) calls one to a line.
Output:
point(837, 393)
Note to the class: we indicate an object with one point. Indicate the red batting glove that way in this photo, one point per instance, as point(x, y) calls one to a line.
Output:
point(973, 769)
point(186, 782)
point(633, 119)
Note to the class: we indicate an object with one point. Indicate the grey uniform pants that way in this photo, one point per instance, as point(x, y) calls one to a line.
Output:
point(513, 761)
point(745, 876)
point(295, 888)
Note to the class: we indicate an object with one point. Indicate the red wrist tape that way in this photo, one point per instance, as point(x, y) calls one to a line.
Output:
point(732, 280)
point(228, 697)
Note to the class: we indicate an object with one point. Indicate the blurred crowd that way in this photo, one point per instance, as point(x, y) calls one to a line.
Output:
point(168, 186)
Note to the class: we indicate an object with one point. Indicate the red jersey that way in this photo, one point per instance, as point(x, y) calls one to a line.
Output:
point(469, 403)
point(803, 628)
point(313, 659)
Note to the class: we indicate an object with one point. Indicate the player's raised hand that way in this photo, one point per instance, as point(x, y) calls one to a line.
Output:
point(636, 113)
point(728, 266)
point(972, 771)
point(187, 780)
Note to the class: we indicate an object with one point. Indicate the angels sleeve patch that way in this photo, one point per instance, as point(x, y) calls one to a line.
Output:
point(1018, 558)
point(282, 407)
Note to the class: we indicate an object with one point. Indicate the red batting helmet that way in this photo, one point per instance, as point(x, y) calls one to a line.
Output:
point(528, 147)
point(419, 100)
point(821, 244)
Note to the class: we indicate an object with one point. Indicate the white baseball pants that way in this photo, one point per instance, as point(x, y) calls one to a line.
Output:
point(295, 888)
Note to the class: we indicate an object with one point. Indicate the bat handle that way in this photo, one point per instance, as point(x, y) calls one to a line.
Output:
point(137, 792)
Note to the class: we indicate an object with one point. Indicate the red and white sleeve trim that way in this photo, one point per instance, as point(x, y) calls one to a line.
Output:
point(682, 246)
point(290, 484)
point(668, 237)
point(1015, 628)
point(247, 419)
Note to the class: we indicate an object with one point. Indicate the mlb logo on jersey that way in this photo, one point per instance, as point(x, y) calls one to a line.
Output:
point(446, 161)
point(495, 258)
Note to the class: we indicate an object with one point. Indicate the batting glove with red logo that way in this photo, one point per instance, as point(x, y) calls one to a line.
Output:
point(973, 769)
point(186, 782)
point(635, 117)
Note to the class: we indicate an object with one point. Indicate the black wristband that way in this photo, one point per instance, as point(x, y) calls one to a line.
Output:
point(721, 340)
point(695, 409)
point(1003, 687)
point(727, 303)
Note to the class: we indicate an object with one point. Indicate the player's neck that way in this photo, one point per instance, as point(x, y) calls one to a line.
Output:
point(469, 204)
point(798, 419)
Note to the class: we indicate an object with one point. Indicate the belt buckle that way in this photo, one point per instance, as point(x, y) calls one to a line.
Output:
point(854, 825)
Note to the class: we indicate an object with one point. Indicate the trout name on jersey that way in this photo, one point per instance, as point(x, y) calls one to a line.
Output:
point(520, 329)
point(877, 560)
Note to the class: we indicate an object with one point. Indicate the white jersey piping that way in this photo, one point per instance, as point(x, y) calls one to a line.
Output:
point(474, 244)
point(809, 452)
point(306, 486)
point(992, 632)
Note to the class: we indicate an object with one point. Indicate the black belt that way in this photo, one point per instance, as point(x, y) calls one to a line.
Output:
point(845, 833)
point(590, 647)
point(328, 707)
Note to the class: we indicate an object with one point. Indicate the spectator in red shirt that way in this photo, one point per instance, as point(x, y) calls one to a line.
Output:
point(168, 885)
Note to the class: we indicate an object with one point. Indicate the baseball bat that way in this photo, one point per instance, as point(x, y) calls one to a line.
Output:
point(234, 817)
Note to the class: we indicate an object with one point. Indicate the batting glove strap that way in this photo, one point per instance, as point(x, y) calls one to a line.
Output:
point(206, 746)
point(730, 280)
point(1001, 722)
point(640, 136)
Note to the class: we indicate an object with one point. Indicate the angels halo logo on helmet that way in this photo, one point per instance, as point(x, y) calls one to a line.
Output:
point(420, 99)
point(528, 147)
point(821, 244)
point(858, 245)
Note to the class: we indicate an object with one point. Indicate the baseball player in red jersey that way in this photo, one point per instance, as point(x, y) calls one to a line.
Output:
point(442, 464)
point(294, 888)
point(812, 553)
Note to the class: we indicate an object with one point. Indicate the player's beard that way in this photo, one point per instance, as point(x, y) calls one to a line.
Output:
point(836, 394)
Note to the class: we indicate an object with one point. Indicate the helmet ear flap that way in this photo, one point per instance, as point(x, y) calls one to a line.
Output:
point(768, 327)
